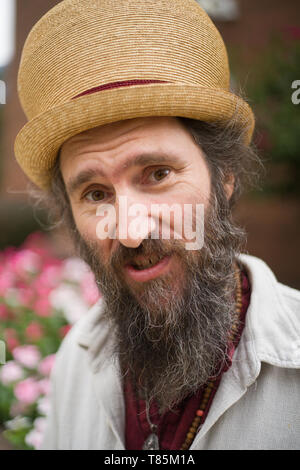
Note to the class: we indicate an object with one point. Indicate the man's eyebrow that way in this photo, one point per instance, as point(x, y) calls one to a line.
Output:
point(88, 174)
point(83, 176)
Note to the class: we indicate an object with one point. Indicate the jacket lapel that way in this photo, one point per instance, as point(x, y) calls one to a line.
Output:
point(234, 383)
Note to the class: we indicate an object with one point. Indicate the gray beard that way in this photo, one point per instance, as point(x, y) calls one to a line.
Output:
point(170, 342)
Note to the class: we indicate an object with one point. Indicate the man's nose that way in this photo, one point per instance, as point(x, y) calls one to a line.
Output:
point(134, 222)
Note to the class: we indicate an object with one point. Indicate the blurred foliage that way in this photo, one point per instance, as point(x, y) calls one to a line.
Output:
point(269, 92)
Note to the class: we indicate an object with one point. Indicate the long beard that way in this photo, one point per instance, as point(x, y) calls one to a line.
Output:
point(171, 338)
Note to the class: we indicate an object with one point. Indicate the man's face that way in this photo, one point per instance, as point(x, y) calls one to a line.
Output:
point(171, 319)
point(141, 161)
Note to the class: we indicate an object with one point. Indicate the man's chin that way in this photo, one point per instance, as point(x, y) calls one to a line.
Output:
point(157, 297)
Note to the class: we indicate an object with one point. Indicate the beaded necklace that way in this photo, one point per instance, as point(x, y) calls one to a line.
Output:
point(152, 441)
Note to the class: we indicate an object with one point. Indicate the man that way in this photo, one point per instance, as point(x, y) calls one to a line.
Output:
point(134, 135)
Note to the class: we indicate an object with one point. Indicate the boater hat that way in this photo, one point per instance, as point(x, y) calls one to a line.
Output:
point(88, 63)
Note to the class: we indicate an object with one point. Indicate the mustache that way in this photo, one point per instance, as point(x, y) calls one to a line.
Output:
point(126, 255)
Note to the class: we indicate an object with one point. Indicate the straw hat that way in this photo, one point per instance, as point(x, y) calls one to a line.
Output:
point(88, 63)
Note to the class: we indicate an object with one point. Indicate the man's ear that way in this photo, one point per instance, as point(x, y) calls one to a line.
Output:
point(229, 186)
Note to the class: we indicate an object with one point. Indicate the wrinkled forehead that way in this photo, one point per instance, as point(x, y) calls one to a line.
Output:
point(116, 130)
point(125, 138)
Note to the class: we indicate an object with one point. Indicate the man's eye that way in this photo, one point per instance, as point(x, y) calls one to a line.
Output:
point(95, 196)
point(160, 174)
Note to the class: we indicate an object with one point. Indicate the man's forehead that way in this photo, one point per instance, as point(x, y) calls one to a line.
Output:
point(118, 129)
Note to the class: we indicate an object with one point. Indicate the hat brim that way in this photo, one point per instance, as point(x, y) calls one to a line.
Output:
point(38, 142)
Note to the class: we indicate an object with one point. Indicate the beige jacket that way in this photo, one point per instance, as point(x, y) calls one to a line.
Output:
point(257, 405)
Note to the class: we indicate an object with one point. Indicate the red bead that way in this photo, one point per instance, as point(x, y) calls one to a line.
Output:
point(199, 413)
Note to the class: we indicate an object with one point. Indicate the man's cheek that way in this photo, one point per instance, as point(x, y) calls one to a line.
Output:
point(87, 227)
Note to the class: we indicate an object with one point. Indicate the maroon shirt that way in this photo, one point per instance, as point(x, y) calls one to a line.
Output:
point(173, 425)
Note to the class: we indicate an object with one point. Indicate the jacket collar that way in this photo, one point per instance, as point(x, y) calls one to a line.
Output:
point(271, 323)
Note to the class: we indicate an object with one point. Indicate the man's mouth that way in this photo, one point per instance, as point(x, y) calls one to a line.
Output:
point(146, 268)
point(146, 262)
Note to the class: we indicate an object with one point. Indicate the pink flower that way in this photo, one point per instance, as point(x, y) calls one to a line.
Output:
point(4, 312)
point(74, 269)
point(27, 391)
point(26, 296)
point(34, 331)
point(11, 339)
point(67, 298)
point(64, 330)
point(45, 386)
point(50, 276)
point(7, 280)
point(40, 424)
point(40, 288)
point(25, 262)
point(42, 307)
point(27, 355)
point(11, 372)
point(17, 408)
point(46, 365)
point(44, 405)
point(34, 438)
